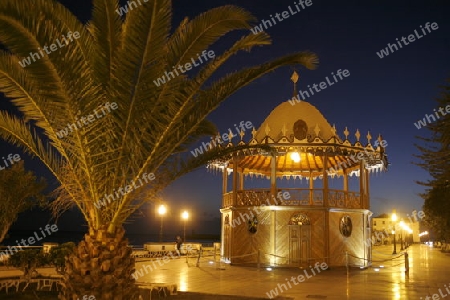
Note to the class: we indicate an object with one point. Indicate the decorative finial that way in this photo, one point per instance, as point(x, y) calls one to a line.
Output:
point(242, 134)
point(254, 132)
point(357, 135)
point(230, 135)
point(380, 139)
point(294, 79)
point(369, 137)
point(346, 133)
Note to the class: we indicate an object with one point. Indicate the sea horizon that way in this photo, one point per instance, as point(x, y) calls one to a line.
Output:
point(136, 240)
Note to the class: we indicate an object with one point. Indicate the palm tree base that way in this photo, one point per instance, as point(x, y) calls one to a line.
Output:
point(101, 265)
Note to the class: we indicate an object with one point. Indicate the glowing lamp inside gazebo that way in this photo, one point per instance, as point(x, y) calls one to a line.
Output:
point(295, 156)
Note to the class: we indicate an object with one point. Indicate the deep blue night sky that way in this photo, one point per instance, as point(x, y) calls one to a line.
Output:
point(381, 95)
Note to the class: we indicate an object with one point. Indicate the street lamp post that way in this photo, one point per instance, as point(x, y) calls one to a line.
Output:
point(394, 219)
point(410, 232)
point(402, 225)
point(161, 210)
point(185, 217)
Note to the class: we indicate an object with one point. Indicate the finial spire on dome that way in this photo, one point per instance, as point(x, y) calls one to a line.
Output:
point(294, 79)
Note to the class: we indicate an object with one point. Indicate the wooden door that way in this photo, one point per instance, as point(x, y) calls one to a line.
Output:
point(299, 245)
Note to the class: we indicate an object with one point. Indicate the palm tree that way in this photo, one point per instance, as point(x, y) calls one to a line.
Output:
point(20, 190)
point(434, 157)
point(97, 92)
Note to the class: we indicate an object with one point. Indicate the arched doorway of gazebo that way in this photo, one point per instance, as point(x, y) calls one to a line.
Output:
point(299, 240)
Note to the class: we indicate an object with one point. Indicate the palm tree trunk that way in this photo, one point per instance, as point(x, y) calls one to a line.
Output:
point(101, 265)
point(4, 228)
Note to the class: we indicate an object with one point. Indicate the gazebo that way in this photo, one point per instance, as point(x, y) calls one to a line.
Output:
point(310, 222)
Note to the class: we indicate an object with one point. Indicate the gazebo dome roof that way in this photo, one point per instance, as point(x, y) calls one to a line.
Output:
point(299, 141)
point(287, 118)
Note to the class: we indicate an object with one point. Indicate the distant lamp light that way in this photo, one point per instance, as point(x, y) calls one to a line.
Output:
point(295, 156)
point(394, 216)
point(162, 209)
point(394, 221)
point(185, 217)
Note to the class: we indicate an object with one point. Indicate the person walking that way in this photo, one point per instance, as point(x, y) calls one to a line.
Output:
point(178, 241)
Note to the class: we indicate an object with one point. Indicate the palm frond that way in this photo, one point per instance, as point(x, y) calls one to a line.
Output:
point(66, 96)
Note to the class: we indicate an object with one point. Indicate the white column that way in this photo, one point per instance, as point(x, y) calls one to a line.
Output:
point(362, 177)
point(273, 176)
point(235, 179)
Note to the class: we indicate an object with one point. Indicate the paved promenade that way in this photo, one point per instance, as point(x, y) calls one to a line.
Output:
point(429, 274)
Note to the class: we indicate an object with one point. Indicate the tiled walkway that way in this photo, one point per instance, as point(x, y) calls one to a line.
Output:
point(429, 274)
point(429, 271)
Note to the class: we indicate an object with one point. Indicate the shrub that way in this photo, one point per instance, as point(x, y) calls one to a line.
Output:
point(28, 260)
point(57, 256)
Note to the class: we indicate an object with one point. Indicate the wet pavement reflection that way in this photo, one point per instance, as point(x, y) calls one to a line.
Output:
point(429, 274)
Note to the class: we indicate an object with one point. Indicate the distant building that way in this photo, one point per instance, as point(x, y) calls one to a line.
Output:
point(382, 224)
point(382, 230)
point(385, 226)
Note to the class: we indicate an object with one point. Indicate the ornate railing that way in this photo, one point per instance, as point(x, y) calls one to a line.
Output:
point(342, 199)
point(254, 197)
point(297, 197)
point(228, 199)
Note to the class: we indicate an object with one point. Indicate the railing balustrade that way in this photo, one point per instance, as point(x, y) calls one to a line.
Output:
point(298, 197)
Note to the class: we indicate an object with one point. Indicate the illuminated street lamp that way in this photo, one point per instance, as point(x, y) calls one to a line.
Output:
point(394, 220)
point(185, 217)
point(162, 211)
